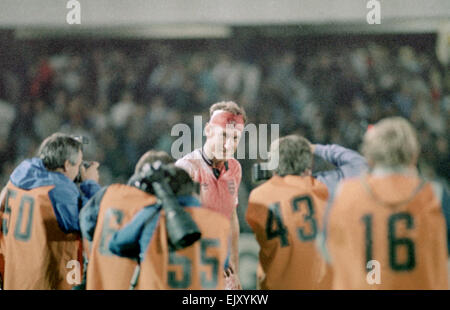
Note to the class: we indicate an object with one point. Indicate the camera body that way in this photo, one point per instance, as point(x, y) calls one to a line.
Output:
point(182, 231)
point(86, 164)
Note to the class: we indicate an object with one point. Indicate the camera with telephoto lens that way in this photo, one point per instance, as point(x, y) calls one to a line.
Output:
point(260, 172)
point(86, 164)
point(182, 231)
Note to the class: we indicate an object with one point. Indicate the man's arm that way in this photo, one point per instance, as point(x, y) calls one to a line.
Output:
point(232, 281)
point(89, 214)
point(67, 202)
point(235, 229)
point(133, 239)
point(235, 241)
point(348, 163)
point(188, 167)
point(89, 187)
point(260, 276)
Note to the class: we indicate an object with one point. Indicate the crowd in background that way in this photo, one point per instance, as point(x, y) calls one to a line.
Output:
point(127, 100)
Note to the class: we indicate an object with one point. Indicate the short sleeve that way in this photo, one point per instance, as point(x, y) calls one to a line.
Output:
point(188, 167)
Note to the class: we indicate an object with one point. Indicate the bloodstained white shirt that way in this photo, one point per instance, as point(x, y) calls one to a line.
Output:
point(219, 194)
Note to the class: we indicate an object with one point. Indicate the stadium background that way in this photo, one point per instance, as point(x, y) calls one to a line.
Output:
point(133, 69)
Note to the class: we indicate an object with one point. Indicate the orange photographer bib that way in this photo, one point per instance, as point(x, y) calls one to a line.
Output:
point(119, 205)
point(199, 266)
point(36, 252)
point(394, 222)
point(285, 213)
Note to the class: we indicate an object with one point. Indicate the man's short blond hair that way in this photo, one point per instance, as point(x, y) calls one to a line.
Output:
point(295, 155)
point(391, 142)
point(228, 106)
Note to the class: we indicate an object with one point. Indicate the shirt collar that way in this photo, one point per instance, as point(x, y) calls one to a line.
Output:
point(209, 162)
point(385, 170)
point(205, 158)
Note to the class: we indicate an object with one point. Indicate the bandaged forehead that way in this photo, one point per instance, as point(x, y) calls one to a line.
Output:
point(227, 120)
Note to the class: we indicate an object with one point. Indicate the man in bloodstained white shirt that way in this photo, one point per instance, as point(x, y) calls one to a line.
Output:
point(219, 173)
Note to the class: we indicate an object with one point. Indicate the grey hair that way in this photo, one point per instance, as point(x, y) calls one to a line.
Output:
point(56, 149)
point(391, 142)
point(294, 153)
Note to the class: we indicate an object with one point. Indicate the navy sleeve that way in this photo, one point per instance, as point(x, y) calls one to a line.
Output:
point(89, 188)
point(348, 164)
point(66, 201)
point(148, 231)
point(131, 241)
point(89, 214)
point(446, 210)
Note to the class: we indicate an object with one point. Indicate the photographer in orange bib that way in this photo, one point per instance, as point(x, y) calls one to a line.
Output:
point(389, 229)
point(39, 226)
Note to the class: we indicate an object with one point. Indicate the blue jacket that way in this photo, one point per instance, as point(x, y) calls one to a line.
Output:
point(65, 197)
point(134, 238)
point(348, 164)
point(89, 214)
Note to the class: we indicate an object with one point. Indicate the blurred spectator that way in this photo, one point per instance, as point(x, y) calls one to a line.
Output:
point(7, 116)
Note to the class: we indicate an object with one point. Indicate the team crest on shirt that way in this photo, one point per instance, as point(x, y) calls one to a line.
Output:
point(204, 186)
point(231, 187)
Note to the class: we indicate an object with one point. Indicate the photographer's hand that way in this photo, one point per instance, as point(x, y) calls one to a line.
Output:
point(90, 173)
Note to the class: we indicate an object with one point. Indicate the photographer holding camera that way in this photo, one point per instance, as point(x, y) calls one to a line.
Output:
point(286, 212)
point(39, 210)
point(164, 237)
point(111, 208)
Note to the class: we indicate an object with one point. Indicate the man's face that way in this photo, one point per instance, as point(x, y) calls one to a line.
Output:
point(73, 170)
point(224, 141)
